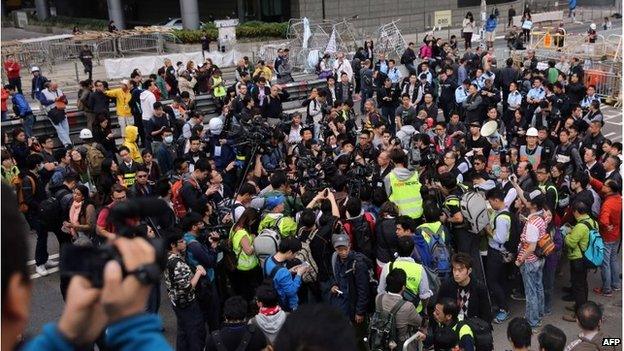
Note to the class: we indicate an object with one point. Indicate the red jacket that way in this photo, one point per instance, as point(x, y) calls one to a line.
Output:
point(12, 69)
point(5, 97)
point(610, 214)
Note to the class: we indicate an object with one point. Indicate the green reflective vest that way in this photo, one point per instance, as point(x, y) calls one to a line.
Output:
point(406, 195)
point(244, 262)
point(544, 188)
point(429, 229)
point(414, 272)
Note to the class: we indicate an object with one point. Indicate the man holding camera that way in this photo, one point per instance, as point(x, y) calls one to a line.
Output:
point(117, 306)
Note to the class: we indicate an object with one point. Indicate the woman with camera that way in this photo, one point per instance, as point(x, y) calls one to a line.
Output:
point(248, 275)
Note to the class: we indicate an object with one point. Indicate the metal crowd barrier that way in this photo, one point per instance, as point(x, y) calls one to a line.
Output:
point(298, 92)
point(147, 43)
point(607, 84)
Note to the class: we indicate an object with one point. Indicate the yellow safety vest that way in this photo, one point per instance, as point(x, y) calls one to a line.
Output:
point(129, 179)
point(406, 195)
point(244, 262)
point(544, 189)
point(433, 227)
point(414, 272)
point(218, 91)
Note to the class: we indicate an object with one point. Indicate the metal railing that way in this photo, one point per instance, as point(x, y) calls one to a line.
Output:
point(146, 43)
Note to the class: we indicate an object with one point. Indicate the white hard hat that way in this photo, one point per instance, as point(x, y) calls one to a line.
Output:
point(34, 69)
point(532, 132)
point(86, 134)
point(592, 26)
point(215, 125)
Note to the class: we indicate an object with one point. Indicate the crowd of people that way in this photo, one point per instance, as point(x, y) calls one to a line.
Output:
point(376, 210)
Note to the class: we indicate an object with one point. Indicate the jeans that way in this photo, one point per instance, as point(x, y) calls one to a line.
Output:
point(610, 270)
point(28, 122)
point(62, 131)
point(410, 67)
point(5, 116)
point(496, 278)
point(534, 289)
point(191, 334)
point(548, 280)
point(153, 301)
point(578, 276)
point(41, 247)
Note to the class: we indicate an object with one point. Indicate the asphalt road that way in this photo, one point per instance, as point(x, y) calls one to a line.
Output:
point(47, 303)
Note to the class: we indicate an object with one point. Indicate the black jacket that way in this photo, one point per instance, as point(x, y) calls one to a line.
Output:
point(98, 103)
point(339, 93)
point(232, 334)
point(478, 303)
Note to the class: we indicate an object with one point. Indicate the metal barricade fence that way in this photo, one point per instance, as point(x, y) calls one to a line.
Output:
point(105, 48)
point(607, 84)
point(66, 51)
point(147, 43)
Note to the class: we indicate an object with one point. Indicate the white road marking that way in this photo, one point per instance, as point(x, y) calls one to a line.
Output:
point(32, 262)
point(50, 271)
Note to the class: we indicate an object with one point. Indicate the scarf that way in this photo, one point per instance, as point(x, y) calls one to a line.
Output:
point(269, 311)
point(74, 216)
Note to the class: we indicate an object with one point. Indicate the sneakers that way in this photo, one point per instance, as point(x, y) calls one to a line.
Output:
point(41, 270)
point(501, 316)
point(600, 292)
point(518, 297)
point(51, 264)
point(616, 289)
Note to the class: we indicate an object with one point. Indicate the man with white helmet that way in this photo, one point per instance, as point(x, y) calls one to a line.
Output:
point(95, 152)
point(218, 144)
point(591, 33)
point(38, 81)
point(531, 152)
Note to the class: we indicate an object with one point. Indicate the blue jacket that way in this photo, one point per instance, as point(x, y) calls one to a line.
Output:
point(490, 25)
point(136, 333)
point(284, 283)
point(19, 101)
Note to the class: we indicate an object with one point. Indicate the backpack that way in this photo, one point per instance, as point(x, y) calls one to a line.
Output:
point(94, 160)
point(434, 286)
point(511, 245)
point(594, 253)
point(545, 245)
point(473, 207)
point(50, 209)
point(220, 346)
point(179, 208)
point(361, 232)
point(382, 330)
point(305, 255)
point(268, 240)
point(481, 331)
point(18, 183)
point(438, 251)
point(372, 282)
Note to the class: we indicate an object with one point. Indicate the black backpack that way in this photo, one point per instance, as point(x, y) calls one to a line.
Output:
point(51, 210)
point(511, 245)
point(481, 331)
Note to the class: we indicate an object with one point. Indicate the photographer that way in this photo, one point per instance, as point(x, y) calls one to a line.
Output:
point(272, 106)
point(117, 306)
point(203, 254)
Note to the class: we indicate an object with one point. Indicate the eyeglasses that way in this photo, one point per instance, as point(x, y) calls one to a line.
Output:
point(142, 176)
point(478, 163)
point(119, 198)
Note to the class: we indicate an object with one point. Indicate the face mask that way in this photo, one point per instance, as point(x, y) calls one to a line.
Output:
point(169, 139)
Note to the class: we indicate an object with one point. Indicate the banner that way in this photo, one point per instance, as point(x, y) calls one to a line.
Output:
point(122, 67)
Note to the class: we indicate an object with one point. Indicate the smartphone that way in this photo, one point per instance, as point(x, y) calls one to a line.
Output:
point(305, 264)
point(326, 192)
point(339, 292)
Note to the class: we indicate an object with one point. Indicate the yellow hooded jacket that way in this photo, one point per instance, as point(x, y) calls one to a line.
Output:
point(122, 101)
point(130, 139)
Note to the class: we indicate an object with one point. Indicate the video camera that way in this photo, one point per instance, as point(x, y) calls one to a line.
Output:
point(89, 260)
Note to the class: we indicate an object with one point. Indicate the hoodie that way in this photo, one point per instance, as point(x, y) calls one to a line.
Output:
point(147, 104)
point(401, 173)
point(130, 142)
point(269, 323)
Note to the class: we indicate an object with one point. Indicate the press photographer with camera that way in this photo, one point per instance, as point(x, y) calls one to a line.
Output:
point(116, 307)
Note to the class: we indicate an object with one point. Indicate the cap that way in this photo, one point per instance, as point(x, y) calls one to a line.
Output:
point(274, 201)
point(531, 132)
point(86, 134)
point(34, 69)
point(592, 26)
point(125, 82)
point(340, 240)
